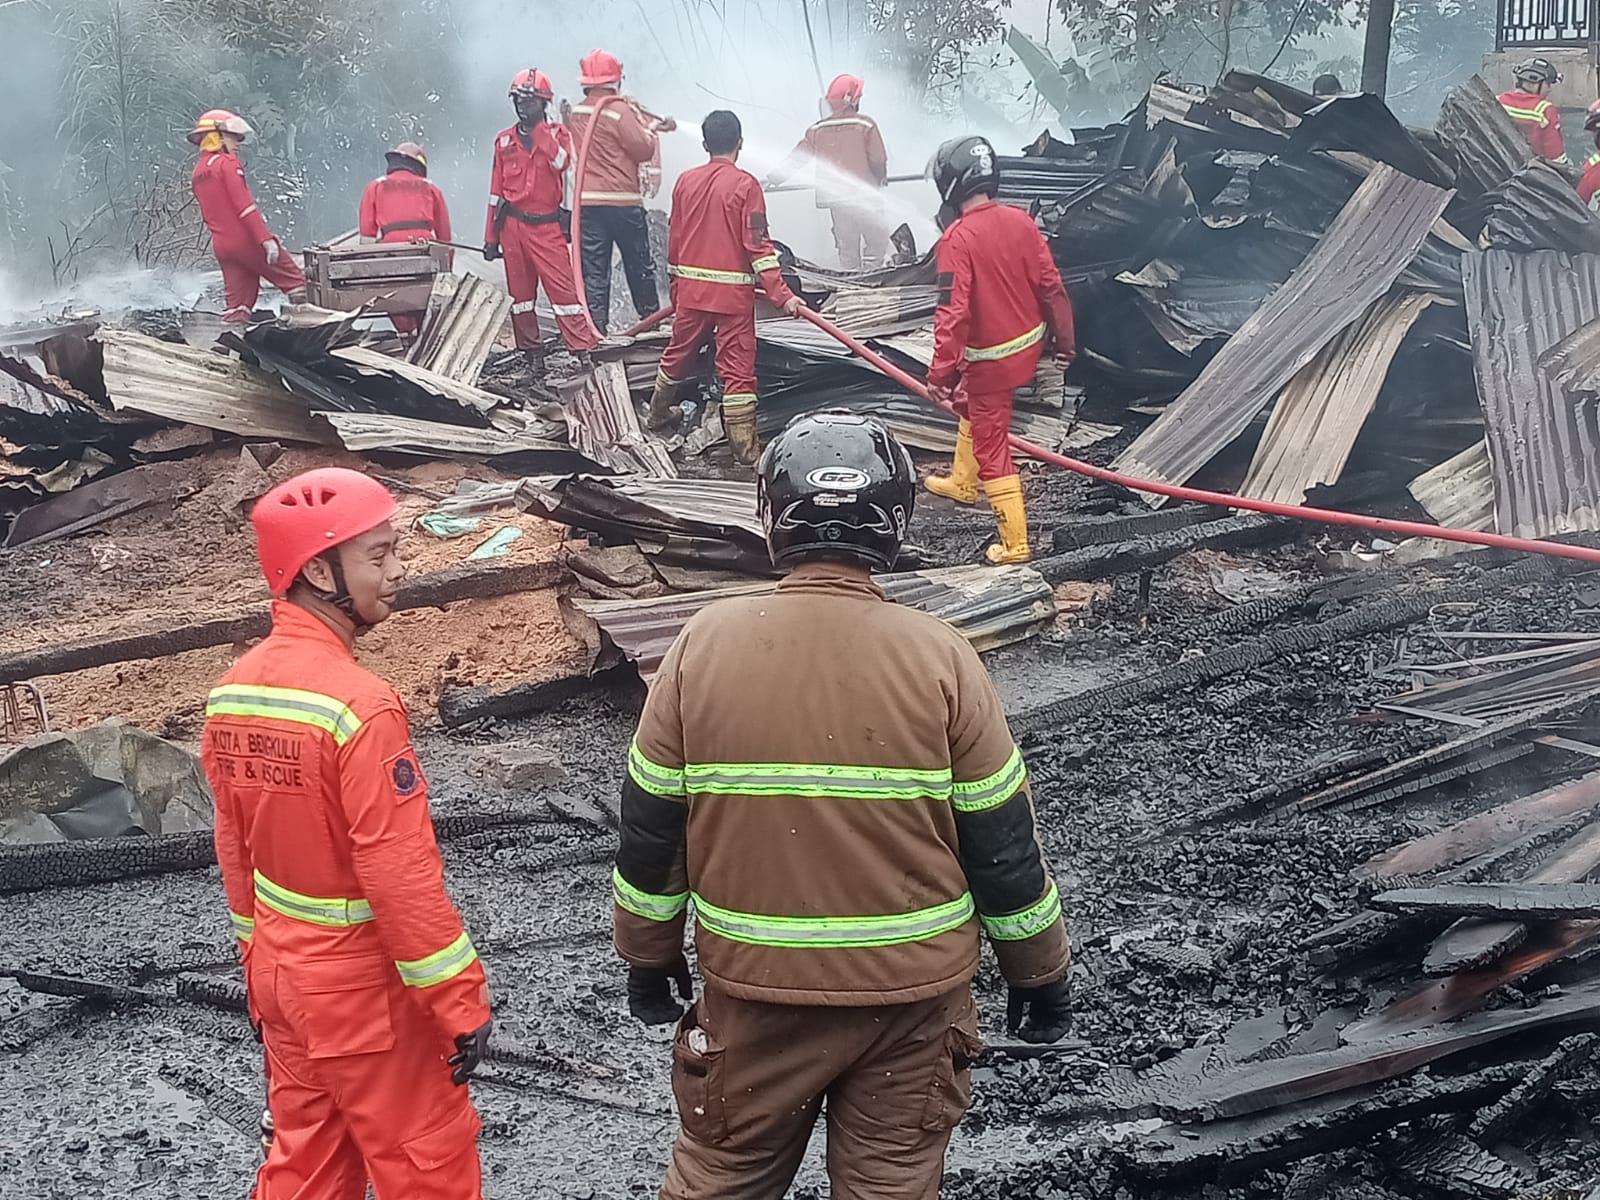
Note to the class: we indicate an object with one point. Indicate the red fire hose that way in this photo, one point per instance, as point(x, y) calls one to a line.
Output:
point(1300, 512)
point(579, 170)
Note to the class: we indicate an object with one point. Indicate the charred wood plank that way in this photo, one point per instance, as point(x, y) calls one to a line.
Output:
point(1127, 527)
point(1120, 558)
point(1565, 1061)
point(1442, 1159)
point(229, 1105)
point(74, 988)
point(1525, 901)
point(426, 591)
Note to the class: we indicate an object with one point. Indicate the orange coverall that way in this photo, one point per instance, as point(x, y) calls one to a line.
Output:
point(360, 975)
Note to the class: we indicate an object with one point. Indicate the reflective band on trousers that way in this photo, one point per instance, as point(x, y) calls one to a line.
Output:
point(993, 790)
point(649, 905)
point(243, 926)
point(1005, 349)
point(834, 932)
point(738, 400)
point(711, 275)
point(567, 310)
point(440, 966)
point(285, 704)
point(334, 911)
point(1030, 921)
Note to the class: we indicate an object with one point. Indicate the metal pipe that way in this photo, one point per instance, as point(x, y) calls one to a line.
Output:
point(1301, 512)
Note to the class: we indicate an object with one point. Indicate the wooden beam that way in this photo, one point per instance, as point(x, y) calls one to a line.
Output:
point(1523, 902)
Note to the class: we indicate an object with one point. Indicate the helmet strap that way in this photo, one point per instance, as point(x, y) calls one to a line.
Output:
point(339, 596)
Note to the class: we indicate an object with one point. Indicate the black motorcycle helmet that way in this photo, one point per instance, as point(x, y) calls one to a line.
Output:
point(837, 486)
point(962, 168)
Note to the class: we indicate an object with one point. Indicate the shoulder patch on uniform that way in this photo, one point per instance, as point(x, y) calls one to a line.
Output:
point(758, 224)
point(405, 774)
point(946, 281)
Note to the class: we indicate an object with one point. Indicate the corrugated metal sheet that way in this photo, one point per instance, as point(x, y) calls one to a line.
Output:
point(1573, 363)
point(1511, 690)
point(1314, 424)
point(408, 435)
point(650, 508)
point(197, 387)
point(456, 337)
point(1544, 443)
point(1537, 209)
point(1459, 492)
point(1375, 235)
point(369, 362)
point(1489, 148)
point(990, 606)
point(876, 312)
point(602, 424)
point(1189, 309)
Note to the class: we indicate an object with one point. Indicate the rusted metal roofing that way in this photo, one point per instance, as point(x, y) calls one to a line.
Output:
point(991, 607)
point(458, 334)
point(1544, 443)
point(603, 426)
point(197, 387)
point(1459, 492)
point(1364, 251)
point(1314, 424)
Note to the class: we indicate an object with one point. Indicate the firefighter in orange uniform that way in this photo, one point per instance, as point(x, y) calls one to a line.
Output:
point(828, 776)
point(245, 248)
point(1000, 295)
point(852, 165)
point(1529, 105)
point(363, 985)
point(1589, 184)
point(524, 222)
point(717, 248)
point(402, 206)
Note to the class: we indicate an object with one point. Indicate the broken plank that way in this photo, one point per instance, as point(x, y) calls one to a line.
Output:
point(1119, 558)
point(426, 591)
point(1485, 831)
point(1527, 901)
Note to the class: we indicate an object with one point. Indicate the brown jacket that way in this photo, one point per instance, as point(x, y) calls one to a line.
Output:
point(844, 146)
point(829, 776)
point(622, 143)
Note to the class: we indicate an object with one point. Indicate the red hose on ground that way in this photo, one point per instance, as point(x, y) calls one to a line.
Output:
point(647, 323)
point(1300, 512)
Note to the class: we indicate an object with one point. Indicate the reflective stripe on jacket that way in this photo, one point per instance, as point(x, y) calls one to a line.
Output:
point(717, 241)
point(1000, 292)
point(323, 834)
point(841, 843)
point(1540, 120)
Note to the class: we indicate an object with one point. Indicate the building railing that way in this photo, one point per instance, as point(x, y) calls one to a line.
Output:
point(1534, 23)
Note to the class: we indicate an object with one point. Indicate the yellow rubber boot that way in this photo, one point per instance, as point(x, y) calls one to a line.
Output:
point(663, 412)
point(739, 422)
point(961, 485)
point(1005, 497)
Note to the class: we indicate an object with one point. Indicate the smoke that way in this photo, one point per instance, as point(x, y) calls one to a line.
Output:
point(110, 293)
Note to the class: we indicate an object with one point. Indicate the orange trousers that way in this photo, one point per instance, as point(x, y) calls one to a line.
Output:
point(359, 1089)
point(750, 1080)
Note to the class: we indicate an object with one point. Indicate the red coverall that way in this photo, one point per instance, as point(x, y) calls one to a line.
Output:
point(1540, 120)
point(1000, 291)
point(402, 206)
point(237, 232)
point(1589, 185)
point(529, 170)
point(717, 247)
point(846, 147)
point(359, 972)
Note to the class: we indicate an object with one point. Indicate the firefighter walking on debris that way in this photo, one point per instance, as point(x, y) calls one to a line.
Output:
point(362, 984)
point(847, 151)
point(246, 251)
point(1529, 105)
point(402, 206)
point(1589, 183)
point(1000, 296)
point(623, 144)
point(717, 250)
point(524, 224)
point(829, 777)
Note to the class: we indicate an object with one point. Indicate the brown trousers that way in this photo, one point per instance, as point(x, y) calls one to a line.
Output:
point(750, 1079)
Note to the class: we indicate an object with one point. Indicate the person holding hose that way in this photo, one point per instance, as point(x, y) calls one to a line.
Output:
point(362, 984)
point(829, 777)
point(402, 206)
point(523, 225)
point(246, 251)
point(611, 200)
point(1000, 296)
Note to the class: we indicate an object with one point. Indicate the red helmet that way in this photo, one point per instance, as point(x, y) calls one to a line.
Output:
point(845, 90)
point(1592, 121)
point(311, 513)
point(531, 81)
point(599, 68)
point(408, 155)
point(219, 120)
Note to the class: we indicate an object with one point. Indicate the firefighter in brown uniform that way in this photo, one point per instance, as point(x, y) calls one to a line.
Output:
point(829, 778)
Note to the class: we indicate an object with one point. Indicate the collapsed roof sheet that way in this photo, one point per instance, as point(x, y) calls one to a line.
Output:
point(1489, 148)
point(460, 329)
point(1544, 444)
point(1459, 492)
point(434, 439)
point(1375, 235)
point(602, 424)
point(990, 606)
point(1573, 363)
point(1537, 209)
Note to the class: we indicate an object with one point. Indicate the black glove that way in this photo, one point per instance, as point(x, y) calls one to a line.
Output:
point(470, 1049)
point(491, 251)
point(1049, 1010)
point(650, 991)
